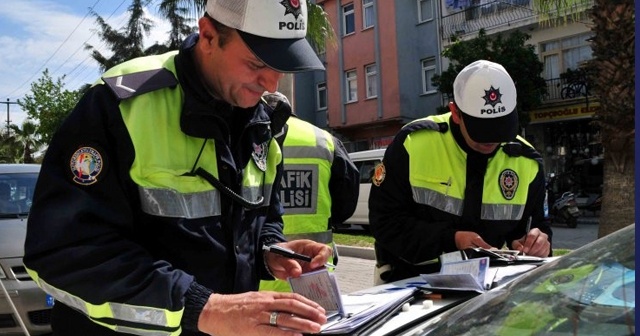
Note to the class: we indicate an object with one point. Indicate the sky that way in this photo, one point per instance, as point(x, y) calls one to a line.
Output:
point(50, 34)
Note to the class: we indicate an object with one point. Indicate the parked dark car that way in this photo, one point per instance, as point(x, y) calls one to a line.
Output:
point(590, 291)
point(23, 305)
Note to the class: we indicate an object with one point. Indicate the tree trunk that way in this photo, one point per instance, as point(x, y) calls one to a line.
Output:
point(618, 201)
point(613, 47)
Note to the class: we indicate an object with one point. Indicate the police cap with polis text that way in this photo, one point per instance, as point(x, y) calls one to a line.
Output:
point(274, 30)
point(486, 95)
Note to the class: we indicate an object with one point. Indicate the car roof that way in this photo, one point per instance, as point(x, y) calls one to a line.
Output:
point(6, 168)
point(368, 154)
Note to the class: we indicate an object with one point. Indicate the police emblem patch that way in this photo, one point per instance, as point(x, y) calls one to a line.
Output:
point(292, 7)
point(86, 165)
point(379, 174)
point(508, 183)
point(492, 97)
point(259, 156)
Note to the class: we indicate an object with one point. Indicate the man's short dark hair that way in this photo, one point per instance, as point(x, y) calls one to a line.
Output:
point(224, 32)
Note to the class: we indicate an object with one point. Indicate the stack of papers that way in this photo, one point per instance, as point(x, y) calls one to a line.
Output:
point(460, 274)
point(363, 311)
point(463, 275)
point(350, 314)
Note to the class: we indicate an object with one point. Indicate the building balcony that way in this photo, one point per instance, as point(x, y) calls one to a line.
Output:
point(561, 89)
point(500, 15)
point(491, 14)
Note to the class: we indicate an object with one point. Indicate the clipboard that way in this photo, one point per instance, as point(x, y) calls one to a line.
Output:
point(357, 314)
point(501, 257)
point(387, 303)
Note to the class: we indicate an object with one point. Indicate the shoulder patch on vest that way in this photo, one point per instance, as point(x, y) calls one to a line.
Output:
point(134, 84)
point(379, 173)
point(86, 164)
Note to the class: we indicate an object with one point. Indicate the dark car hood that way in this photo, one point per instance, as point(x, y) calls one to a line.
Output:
point(12, 235)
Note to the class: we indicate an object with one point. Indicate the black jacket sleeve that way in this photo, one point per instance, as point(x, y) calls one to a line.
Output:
point(86, 230)
point(344, 184)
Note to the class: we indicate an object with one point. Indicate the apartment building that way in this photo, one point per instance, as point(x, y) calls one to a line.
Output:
point(378, 77)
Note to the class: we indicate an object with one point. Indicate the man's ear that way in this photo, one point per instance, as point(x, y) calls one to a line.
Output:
point(455, 116)
point(207, 31)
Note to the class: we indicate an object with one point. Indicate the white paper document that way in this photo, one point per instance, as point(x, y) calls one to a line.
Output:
point(348, 313)
point(321, 287)
point(463, 275)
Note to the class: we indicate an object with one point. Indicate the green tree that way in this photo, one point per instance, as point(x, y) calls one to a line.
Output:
point(613, 83)
point(11, 151)
point(127, 43)
point(518, 58)
point(28, 138)
point(48, 104)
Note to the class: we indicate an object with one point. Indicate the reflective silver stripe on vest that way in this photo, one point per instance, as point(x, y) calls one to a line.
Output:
point(325, 237)
point(170, 203)
point(437, 200)
point(502, 211)
point(454, 206)
point(119, 311)
point(297, 152)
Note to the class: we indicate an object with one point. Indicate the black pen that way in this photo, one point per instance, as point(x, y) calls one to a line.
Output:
point(526, 234)
point(285, 252)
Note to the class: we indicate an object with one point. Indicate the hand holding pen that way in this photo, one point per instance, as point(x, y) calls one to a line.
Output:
point(292, 258)
point(534, 243)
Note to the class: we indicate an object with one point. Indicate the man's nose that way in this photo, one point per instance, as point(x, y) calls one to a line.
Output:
point(269, 79)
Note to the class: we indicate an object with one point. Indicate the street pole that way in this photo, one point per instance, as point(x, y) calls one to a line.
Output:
point(9, 119)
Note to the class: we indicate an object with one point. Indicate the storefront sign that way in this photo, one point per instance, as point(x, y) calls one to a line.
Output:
point(383, 142)
point(578, 111)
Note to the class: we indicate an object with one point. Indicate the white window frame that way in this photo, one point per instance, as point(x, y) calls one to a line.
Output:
point(348, 13)
point(321, 95)
point(428, 66)
point(371, 80)
point(367, 8)
point(561, 49)
point(421, 16)
point(351, 86)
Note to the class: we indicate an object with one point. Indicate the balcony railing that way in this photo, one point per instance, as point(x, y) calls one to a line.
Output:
point(559, 89)
point(491, 14)
point(486, 15)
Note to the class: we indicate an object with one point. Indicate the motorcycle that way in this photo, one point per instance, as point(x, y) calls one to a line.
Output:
point(593, 203)
point(562, 208)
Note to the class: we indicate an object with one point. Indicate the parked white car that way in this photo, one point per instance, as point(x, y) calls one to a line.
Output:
point(18, 292)
point(365, 161)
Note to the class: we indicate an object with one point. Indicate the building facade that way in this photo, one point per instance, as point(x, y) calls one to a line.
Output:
point(378, 77)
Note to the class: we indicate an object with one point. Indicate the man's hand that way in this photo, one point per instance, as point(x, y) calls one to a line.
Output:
point(470, 239)
point(535, 243)
point(283, 267)
point(251, 314)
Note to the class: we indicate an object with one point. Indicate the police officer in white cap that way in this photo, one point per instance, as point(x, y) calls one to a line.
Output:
point(160, 192)
point(459, 180)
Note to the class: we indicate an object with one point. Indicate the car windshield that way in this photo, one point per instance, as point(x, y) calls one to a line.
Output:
point(16, 193)
point(590, 291)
